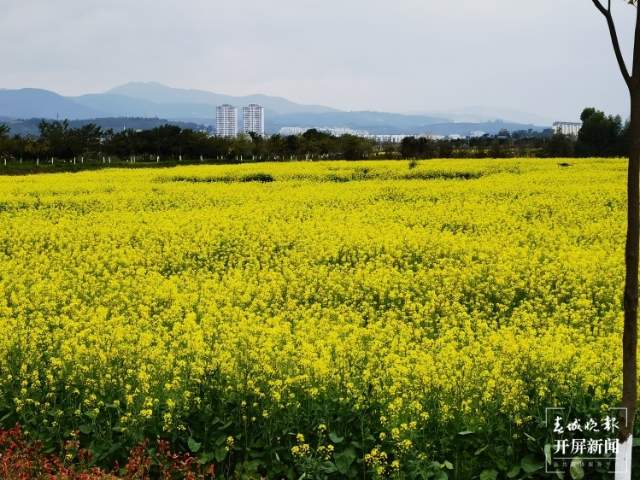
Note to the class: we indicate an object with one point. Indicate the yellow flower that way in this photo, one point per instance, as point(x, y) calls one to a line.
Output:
point(462, 291)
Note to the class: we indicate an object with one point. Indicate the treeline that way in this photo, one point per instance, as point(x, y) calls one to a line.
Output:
point(57, 140)
point(600, 135)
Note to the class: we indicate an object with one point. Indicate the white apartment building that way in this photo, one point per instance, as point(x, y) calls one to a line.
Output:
point(253, 119)
point(567, 128)
point(226, 121)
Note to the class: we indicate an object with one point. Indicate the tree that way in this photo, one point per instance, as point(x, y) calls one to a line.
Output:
point(624, 139)
point(85, 140)
point(422, 147)
point(354, 148)
point(57, 138)
point(632, 246)
point(4, 139)
point(559, 145)
point(446, 149)
point(599, 135)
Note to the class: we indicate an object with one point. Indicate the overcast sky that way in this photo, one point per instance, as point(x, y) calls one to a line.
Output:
point(547, 57)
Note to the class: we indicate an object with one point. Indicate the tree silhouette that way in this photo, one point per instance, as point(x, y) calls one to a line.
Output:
point(630, 335)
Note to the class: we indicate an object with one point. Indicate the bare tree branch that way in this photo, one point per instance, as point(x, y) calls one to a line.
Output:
point(600, 7)
point(614, 39)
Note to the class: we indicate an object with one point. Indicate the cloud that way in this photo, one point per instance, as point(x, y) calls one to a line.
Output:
point(550, 57)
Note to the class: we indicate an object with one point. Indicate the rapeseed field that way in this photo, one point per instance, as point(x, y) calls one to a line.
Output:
point(325, 319)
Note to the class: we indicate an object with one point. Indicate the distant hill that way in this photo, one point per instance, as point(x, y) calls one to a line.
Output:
point(123, 106)
point(32, 102)
point(183, 106)
point(161, 94)
point(137, 99)
point(479, 114)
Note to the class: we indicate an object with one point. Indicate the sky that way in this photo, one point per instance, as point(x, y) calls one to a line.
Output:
point(549, 58)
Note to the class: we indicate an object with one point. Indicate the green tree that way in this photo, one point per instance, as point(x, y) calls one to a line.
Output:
point(599, 135)
point(4, 139)
point(355, 148)
point(56, 136)
point(85, 140)
point(559, 145)
point(632, 246)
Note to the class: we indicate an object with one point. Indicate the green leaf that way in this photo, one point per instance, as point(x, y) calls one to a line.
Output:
point(515, 470)
point(441, 475)
point(529, 464)
point(86, 429)
point(481, 449)
point(489, 475)
point(344, 460)
point(114, 447)
point(465, 432)
point(448, 465)
point(329, 468)
point(335, 438)
point(205, 457)
point(220, 454)
point(576, 470)
point(193, 445)
point(547, 453)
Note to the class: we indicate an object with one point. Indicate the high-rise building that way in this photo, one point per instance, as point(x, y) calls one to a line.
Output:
point(253, 119)
point(226, 121)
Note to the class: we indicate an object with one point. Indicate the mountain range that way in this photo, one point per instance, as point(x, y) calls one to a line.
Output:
point(153, 100)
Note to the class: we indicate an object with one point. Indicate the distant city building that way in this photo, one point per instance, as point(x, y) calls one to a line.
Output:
point(432, 136)
point(226, 121)
point(477, 134)
point(339, 131)
point(381, 138)
point(567, 128)
point(253, 119)
point(335, 131)
point(388, 138)
point(503, 134)
point(286, 131)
